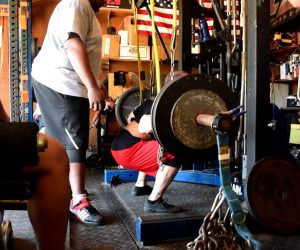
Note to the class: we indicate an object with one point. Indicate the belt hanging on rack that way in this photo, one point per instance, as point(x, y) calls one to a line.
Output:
point(155, 49)
point(140, 70)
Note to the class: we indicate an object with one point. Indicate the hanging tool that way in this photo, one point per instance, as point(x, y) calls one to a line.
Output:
point(224, 34)
point(154, 43)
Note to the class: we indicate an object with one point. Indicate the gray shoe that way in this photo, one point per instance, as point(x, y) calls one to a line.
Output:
point(161, 206)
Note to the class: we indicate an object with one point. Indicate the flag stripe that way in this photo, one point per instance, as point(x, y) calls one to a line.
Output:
point(163, 17)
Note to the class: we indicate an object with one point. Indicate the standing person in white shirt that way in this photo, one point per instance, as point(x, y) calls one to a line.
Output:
point(66, 83)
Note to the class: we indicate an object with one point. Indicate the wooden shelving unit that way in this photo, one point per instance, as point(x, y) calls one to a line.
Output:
point(43, 1)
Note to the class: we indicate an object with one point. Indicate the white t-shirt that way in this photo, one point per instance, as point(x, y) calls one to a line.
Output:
point(52, 67)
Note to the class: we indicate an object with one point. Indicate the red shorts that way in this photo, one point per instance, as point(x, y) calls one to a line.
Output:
point(142, 156)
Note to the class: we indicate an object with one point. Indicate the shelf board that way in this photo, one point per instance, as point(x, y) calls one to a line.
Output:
point(285, 20)
point(290, 109)
point(283, 51)
point(42, 1)
point(128, 60)
point(286, 80)
point(115, 11)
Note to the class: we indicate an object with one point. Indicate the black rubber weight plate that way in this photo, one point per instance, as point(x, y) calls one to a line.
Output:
point(127, 102)
point(162, 112)
point(273, 194)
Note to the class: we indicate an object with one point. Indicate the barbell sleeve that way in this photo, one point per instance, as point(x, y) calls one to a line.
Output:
point(204, 119)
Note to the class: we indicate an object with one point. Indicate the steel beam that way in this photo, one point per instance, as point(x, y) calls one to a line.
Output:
point(14, 61)
point(23, 48)
point(259, 137)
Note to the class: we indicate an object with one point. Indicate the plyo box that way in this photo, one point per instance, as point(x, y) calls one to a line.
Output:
point(110, 46)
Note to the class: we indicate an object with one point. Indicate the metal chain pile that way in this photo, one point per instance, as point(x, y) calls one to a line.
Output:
point(216, 233)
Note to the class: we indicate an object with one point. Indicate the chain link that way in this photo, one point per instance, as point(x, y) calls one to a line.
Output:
point(160, 156)
point(172, 63)
point(172, 51)
point(216, 233)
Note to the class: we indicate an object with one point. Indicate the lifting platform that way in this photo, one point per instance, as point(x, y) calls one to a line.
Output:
point(196, 198)
point(184, 225)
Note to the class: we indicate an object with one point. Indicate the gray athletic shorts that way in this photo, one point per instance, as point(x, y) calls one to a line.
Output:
point(66, 118)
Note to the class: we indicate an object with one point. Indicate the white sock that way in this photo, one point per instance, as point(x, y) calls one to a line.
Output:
point(77, 198)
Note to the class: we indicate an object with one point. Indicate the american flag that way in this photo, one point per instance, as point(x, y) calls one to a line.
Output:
point(163, 17)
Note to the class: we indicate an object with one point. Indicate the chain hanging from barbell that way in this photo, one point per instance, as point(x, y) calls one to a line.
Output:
point(172, 51)
point(172, 64)
point(216, 233)
point(160, 156)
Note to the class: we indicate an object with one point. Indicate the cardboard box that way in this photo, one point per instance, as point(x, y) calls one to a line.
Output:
point(162, 54)
point(284, 70)
point(281, 12)
point(110, 46)
point(130, 27)
point(278, 8)
point(130, 52)
point(275, 72)
point(124, 37)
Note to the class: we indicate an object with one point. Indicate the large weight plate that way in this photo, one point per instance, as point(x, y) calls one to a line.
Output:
point(127, 102)
point(164, 114)
point(183, 123)
point(273, 194)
